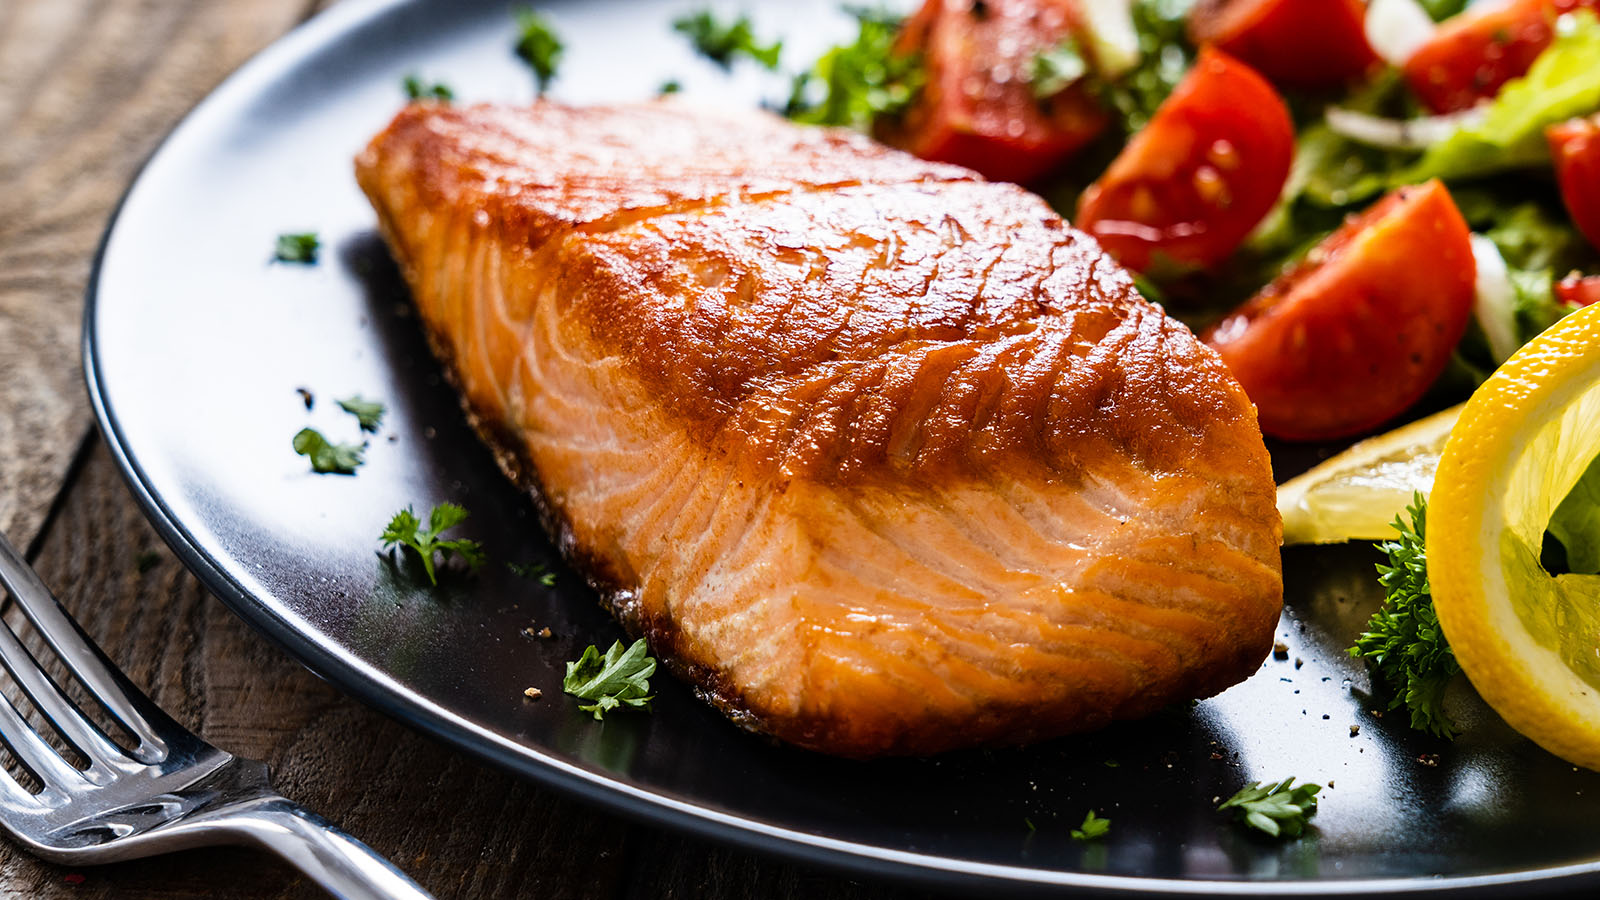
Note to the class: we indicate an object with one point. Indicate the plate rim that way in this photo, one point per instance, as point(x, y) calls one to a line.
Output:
point(352, 676)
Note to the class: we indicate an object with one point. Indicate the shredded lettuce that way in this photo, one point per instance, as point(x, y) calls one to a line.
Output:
point(1538, 244)
point(1562, 83)
point(1164, 57)
point(1576, 523)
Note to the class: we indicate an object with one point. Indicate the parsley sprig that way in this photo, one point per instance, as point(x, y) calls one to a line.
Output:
point(853, 84)
point(620, 678)
point(723, 42)
point(1092, 829)
point(539, 46)
point(369, 413)
point(1403, 643)
point(406, 530)
point(326, 456)
point(1279, 809)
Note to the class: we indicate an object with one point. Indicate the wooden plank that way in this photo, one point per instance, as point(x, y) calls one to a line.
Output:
point(86, 91)
point(461, 828)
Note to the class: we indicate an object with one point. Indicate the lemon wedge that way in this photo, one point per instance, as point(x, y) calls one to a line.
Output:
point(1356, 495)
point(1529, 641)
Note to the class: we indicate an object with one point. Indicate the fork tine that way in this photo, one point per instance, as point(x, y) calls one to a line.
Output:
point(50, 700)
point(124, 701)
point(33, 751)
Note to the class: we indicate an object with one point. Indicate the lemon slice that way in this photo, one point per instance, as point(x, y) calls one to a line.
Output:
point(1529, 641)
point(1356, 495)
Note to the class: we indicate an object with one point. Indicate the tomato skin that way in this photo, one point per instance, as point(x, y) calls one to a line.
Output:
point(1575, 151)
point(1357, 332)
point(1477, 51)
point(977, 108)
point(1304, 44)
point(1578, 291)
point(1211, 163)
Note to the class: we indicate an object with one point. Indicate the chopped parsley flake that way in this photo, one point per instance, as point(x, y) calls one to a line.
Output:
point(369, 413)
point(1092, 829)
point(298, 248)
point(326, 456)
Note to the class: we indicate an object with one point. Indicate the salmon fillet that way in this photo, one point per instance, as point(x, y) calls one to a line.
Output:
point(881, 457)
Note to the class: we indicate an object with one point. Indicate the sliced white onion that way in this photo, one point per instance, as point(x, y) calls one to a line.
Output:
point(1494, 300)
point(1113, 39)
point(1399, 134)
point(1396, 28)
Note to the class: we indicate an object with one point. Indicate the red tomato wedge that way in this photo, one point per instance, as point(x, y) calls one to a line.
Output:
point(1477, 51)
point(1575, 150)
point(1357, 331)
point(1577, 290)
point(1189, 186)
point(977, 108)
point(1306, 44)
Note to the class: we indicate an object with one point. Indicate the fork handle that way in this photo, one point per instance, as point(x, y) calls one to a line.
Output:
point(342, 865)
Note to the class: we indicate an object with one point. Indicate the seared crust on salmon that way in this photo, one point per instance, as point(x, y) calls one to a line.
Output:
point(881, 457)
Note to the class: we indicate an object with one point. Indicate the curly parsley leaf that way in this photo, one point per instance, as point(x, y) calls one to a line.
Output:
point(299, 247)
point(722, 43)
point(1279, 809)
point(417, 89)
point(406, 530)
point(1403, 643)
point(853, 84)
point(1092, 829)
point(369, 413)
point(620, 678)
point(539, 46)
point(326, 456)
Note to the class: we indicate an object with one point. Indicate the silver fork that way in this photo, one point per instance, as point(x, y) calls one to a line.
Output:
point(173, 791)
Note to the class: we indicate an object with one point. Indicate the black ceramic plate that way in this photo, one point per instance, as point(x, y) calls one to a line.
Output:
point(196, 344)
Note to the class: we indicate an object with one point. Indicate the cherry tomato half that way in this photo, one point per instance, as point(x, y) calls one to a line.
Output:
point(1575, 150)
point(977, 108)
point(1477, 51)
point(1357, 331)
point(1578, 290)
point(1197, 178)
point(1306, 44)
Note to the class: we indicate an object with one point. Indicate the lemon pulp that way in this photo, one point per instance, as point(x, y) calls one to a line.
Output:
point(1561, 612)
point(1356, 495)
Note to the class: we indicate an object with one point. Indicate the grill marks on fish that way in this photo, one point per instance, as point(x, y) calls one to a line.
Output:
point(883, 458)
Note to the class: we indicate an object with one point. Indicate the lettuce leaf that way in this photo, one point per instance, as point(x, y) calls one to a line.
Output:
point(1562, 83)
point(1576, 523)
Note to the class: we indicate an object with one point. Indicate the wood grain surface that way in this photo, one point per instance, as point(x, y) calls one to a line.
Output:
point(87, 89)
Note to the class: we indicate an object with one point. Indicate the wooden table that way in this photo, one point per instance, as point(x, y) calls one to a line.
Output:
point(87, 88)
